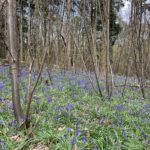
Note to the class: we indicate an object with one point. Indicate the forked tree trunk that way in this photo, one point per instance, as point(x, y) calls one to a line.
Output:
point(14, 69)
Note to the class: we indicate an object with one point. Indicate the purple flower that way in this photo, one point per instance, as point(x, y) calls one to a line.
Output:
point(119, 119)
point(110, 95)
point(68, 129)
point(69, 106)
point(12, 123)
point(2, 145)
point(119, 107)
point(0, 100)
point(56, 108)
point(59, 87)
point(102, 88)
point(37, 101)
point(49, 100)
point(80, 82)
point(73, 140)
point(78, 132)
point(95, 148)
point(143, 134)
point(84, 139)
point(1, 86)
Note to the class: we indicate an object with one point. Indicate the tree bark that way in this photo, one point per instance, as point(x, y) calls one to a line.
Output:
point(14, 63)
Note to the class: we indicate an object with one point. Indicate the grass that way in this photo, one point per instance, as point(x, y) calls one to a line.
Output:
point(68, 114)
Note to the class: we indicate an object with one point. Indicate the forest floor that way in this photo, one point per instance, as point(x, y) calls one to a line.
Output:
point(67, 114)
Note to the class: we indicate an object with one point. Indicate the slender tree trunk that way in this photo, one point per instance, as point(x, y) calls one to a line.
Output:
point(136, 25)
point(12, 37)
point(109, 81)
point(21, 31)
point(68, 30)
point(93, 34)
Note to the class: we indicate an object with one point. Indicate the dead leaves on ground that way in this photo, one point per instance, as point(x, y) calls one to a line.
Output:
point(38, 146)
point(16, 138)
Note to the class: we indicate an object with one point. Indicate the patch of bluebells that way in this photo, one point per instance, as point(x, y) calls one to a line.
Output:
point(78, 132)
point(95, 147)
point(84, 139)
point(147, 106)
point(73, 140)
point(69, 106)
point(0, 100)
point(3, 109)
point(1, 86)
point(2, 145)
point(48, 100)
point(80, 82)
point(12, 123)
point(9, 104)
point(59, 87)
point(119, 107)
point(102, 88)
point(143, 134)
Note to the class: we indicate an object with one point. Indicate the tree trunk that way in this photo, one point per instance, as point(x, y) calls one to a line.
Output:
point(14, 63)
point(68, 34)
point(109, 83)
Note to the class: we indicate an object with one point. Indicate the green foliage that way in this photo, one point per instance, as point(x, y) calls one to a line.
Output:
point(69, 113)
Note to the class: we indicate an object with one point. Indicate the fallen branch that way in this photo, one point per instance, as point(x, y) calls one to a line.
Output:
point(132, 86)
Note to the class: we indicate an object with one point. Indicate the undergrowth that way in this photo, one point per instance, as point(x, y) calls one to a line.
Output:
point(67, 114)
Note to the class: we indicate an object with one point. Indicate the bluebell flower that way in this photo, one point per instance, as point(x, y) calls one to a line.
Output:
point(110, 95)
point(119, 107)
point(0, 100)
point(3, 108)
point(68, 129)
point(2, 145)
point(102, 88)
point(143, 134)
point(59, 87)
point(69, 106)
point(80, 82)
point(95, 148)
point(56, 108)
point(78, 132)
point(146, 106)
point(48, 100)
point(37, 101)
point(119, 119)
point(12, 123)
point(84, 139)
point(65, 135)
point(73, 140)
point(1, 86)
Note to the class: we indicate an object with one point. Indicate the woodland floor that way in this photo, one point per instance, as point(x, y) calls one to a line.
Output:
point(67, 114)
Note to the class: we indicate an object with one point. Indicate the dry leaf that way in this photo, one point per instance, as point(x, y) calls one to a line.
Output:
point(38, 146)
point(16, 138)
point(105, 121)
point(61, 128)
point(75, 147)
